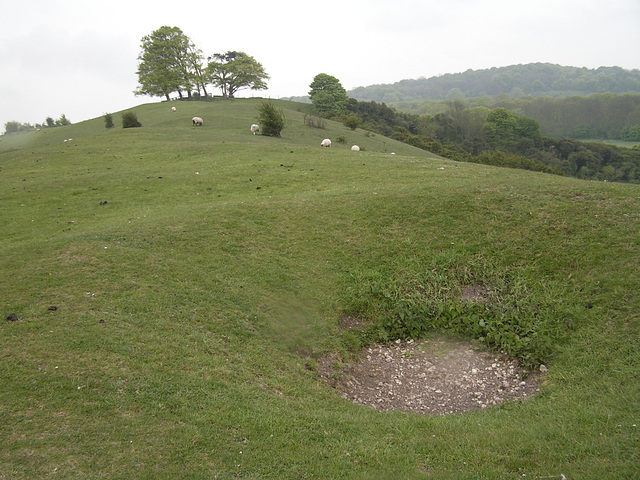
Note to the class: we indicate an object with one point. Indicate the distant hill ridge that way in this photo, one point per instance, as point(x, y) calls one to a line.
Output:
point(535, 79)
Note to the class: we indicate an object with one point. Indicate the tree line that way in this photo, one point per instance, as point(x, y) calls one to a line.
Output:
point(601, 115)
point(16, 127)
point(170, 63)
point(534, 79)
point(494, 136)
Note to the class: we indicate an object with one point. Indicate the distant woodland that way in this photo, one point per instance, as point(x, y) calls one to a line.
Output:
point(534, 79)
point(523, 116)
point(499, 137)
point(581, 103)
point(604, 116)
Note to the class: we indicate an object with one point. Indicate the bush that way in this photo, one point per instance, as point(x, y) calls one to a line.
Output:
point(631, 133)
point(271, 119)
point(108, 120)
point(15, 127)
point(315, 122)
point(62, 121)
point(352, 121)
point(130, 119)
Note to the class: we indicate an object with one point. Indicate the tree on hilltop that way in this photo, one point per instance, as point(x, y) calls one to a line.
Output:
point(15, 127)
point(233, 71)
point(169, 62)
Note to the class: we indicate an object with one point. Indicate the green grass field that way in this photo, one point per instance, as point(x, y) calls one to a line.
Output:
point(199, 274)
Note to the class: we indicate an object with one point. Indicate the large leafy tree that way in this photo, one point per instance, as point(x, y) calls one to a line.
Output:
point(503, 128)
point(233, 71)
point(327, 95)
point(169, 62)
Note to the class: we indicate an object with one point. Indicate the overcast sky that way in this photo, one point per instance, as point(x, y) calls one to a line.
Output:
point(79, 58)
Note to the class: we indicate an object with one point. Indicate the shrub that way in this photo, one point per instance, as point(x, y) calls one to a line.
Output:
point(352, 121)
point(108, 120)
point(315, 122)
point(15, 127)
point(130, 119)
point(271, 119)
point(62, 121)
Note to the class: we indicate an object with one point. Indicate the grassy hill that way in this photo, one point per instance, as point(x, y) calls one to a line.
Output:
point(198, 275)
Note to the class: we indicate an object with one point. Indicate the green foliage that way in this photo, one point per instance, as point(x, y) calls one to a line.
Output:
point(534, 79)
point(600, 115)
point(234, 71)
point(169, 62)
point(512, 160)
point(352, 121)
point(315, 122)
point(271, 119)
point(500, 137)
point(631, 133)
point(327, 95)
point(62, 121)
point(130, 120)
point(516, 314)
point(504, 129)
point(108, 120)
point(16, 127)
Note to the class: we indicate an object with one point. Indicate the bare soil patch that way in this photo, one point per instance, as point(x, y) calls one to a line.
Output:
point(437, 376)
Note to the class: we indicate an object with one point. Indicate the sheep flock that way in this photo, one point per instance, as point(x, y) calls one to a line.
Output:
point(255, 129)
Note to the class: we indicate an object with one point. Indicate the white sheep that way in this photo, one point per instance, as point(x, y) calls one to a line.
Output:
point(326, 143)
point(355, 148)
point(197, 121)
point(173, 109)
point(255, 128)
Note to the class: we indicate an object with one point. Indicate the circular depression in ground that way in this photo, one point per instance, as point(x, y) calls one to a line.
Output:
point(436, 376)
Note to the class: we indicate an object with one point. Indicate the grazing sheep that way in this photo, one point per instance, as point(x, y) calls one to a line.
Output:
point(197, 121)
point(173, 109)
point(355, 148)
point(326, 143)
point(255, 128)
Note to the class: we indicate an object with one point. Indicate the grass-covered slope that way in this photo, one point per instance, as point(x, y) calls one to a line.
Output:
point(198, 273)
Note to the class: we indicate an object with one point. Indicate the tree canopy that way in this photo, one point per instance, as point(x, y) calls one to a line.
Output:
point(535, 79)
point(161, 70)
point(233, 71)
point(327, 95)
point(171, 63)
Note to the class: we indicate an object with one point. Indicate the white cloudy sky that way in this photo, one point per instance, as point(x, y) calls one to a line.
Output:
point(79, 57)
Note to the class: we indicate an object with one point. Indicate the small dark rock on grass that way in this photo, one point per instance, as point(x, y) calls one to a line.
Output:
point(12, 317)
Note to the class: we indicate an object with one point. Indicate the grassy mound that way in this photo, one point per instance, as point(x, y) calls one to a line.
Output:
point(198, 273)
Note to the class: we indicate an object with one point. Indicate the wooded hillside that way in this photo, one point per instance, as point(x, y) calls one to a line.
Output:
point(601, 115)
point(536, 79)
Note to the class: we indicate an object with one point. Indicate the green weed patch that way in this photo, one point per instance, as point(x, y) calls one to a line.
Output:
point(528, 322)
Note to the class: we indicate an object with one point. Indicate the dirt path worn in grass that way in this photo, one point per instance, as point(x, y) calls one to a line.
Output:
point(438, 376)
